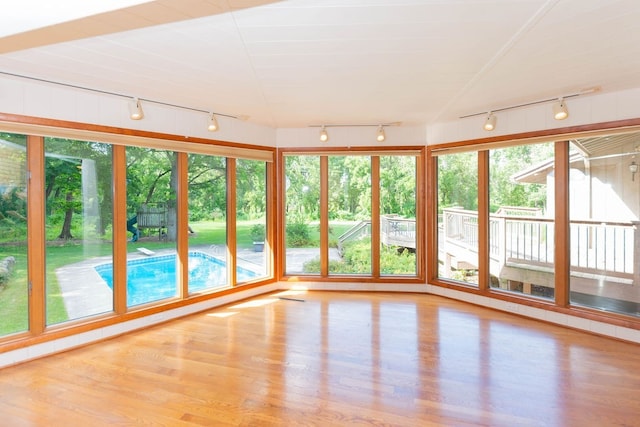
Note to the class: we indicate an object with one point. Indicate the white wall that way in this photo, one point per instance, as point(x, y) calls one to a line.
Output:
point(356, 136)
point(585, 109)
point(32, 98)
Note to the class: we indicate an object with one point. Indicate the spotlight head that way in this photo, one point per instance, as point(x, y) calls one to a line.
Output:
point(135, 109)
point(380, 136)
point(213, 123)
point(324, 135)
point(560, 111)
point(490, 122)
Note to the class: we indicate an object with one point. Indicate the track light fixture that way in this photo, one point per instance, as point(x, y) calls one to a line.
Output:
point(324, 135)
point(213, 123)
point(380, 134)
point(560, 111)
point(135, 109)
point(490, 122)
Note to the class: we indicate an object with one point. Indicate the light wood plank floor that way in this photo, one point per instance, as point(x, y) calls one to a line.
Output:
point(334, 359)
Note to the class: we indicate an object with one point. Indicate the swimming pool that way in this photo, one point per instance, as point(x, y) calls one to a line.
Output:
point(154, 278)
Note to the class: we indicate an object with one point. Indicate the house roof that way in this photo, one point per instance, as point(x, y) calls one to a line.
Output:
point(620, 145)
point(300, 62)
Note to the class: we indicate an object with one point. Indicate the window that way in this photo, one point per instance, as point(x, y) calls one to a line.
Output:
point(521, 219)
point(251, 222)
point(152, 182)
point(79, 227)
point(14, 295)
point(351, 214)
point(604, 194)
point(207, 228)
point(398, 231)
point(302, 214)
point(458, 217)
point(562, 219)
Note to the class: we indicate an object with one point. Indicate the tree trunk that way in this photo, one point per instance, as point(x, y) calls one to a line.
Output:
point(172, 226)
point(68, 215)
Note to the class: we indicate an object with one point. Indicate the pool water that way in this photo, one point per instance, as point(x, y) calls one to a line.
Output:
point(154, 278)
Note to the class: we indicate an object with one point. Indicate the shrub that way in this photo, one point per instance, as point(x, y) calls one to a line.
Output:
point(298, 234)
point(356, 259)
point(258, 233)
point(6, 268)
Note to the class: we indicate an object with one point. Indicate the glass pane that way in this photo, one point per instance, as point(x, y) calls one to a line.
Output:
point(521, 223)
point(604, 190)
point(302, 214)
point(350, 214)
point(251, 222)
point(398, 215)
point(14, 295)
point(151, 212)
point(458, 217)
point(207, 222)
point(78, 190)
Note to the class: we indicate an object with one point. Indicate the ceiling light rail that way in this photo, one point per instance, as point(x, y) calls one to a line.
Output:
point(380, 134)
point(135, 103)
point(559, 108)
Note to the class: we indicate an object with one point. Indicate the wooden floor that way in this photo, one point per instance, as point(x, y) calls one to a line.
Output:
point(334, 359)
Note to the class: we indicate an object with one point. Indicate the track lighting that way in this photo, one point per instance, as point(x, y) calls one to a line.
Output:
point(560, 111)
point(490, 122)
point(135, 109)
point(380, 134)
point(324, 135)
point(213, 123)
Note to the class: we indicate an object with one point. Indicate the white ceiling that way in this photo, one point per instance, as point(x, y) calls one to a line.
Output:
point(300, 62)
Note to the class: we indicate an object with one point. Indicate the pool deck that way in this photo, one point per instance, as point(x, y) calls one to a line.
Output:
point(85, 293)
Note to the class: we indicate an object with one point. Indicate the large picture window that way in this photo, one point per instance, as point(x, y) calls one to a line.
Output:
point(351, 214)
point(458, 217)
point(207, 228)
point(521, 219)
point(251, 223)
point(398, 203)
point(561, 221)
point(604, 188)
point(79, 228)
point(302, 214)
point(152, 183)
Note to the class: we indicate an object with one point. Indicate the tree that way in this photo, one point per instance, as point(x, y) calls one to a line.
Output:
point(63, 183)
point(458, 180)
point(207, 187)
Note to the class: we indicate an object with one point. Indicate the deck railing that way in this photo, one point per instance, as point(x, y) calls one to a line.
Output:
point(596, 246)
point(396, 231)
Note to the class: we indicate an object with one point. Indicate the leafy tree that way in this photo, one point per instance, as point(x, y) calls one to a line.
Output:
point(250, 188)
point(207, 187)
point(302, 182)
point(458, 180)
point(398, 185)
point(506, 162)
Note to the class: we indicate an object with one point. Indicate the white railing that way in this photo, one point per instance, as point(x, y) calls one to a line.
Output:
point(596, 246)
point(396, 231)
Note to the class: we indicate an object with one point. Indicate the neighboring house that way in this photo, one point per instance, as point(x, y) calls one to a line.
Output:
point(13, 170)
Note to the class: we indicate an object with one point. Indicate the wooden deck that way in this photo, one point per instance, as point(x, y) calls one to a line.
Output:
point(334, 359)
